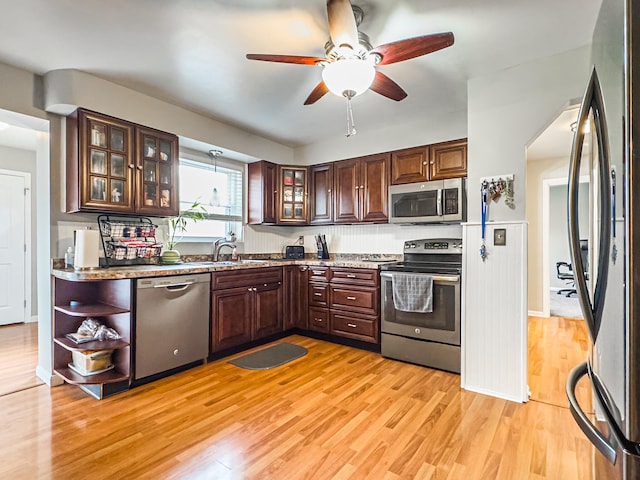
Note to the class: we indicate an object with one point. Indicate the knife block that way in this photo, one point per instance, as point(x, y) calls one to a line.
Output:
point(323, 254)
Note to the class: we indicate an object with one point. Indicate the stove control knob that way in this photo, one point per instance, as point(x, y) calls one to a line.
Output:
point(417, 330)
point(412, 245)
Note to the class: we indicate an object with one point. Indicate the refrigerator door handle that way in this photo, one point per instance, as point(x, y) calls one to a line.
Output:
point(594, 103)
point(593, 434)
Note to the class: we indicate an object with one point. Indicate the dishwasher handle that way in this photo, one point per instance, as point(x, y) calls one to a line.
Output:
point(175, 287)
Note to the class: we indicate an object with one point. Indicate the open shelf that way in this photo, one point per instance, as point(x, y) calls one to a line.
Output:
point(94, 345)
point(90, 310)
point(69, 376)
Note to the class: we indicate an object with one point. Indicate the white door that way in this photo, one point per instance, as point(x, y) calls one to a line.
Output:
point(12, 249)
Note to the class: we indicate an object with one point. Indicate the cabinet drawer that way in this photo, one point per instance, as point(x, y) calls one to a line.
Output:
point(358, 327)
point(319, 274)
point(249, 277)
point(319, 319)
point(352, 299)
point(357, 276)
point(318, 294)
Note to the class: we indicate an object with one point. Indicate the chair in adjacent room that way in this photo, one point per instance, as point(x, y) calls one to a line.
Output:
point(565, 272)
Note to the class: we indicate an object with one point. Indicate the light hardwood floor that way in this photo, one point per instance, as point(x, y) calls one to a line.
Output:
point(18, 357)
point(556, 345)
point(335, 413)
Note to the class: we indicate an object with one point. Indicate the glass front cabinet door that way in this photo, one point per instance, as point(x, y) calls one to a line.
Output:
point(293, 196)
point(157, 165)
point(105, 162)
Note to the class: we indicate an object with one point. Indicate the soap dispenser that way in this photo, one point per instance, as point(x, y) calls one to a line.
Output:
point(68, 258)
point(234, 254)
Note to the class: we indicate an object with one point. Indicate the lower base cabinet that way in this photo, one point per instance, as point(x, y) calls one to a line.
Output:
point(345, 302)
point(109, 302)
point(246, 305)
point(295, 308)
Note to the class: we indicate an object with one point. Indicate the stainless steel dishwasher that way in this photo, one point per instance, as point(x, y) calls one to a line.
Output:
point(172, 322)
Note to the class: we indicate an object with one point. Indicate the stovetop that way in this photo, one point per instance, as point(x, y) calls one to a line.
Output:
point(433, 255)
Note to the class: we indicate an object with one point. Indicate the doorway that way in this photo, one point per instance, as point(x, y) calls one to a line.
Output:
point(24, 171)
point(556, 343)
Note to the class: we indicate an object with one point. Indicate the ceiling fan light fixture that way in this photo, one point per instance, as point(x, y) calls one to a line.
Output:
point(348, 75)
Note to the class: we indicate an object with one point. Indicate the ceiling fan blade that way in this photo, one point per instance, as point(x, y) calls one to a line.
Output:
point(342, 24)
point(285, 58)
point(413, 47)
point(317, 93)
point(387, 87)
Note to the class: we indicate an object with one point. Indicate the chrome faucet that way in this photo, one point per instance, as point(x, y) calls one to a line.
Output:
point(217, 246)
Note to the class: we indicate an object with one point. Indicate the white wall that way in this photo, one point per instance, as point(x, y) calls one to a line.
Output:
point(67, 89)
point(506, 110)
point(430, 128)
point(359, 239)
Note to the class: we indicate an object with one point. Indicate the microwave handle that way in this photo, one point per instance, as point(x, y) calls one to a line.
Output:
point(439, 202)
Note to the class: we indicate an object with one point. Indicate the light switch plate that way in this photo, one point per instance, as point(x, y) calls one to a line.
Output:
point(500, 237)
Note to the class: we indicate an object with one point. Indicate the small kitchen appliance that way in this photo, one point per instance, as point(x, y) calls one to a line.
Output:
point(294, 252)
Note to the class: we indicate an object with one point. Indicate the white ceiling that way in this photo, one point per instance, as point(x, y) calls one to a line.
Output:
point(192, 52)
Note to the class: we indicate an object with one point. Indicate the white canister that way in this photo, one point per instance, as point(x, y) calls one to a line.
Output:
point(87, 248)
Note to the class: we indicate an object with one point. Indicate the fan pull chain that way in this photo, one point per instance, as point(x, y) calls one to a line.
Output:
point(351, 126)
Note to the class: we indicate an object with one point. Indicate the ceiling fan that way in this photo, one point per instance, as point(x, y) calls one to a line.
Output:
point(349, 65)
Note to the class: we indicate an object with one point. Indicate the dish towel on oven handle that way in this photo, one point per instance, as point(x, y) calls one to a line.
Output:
point(412, 292)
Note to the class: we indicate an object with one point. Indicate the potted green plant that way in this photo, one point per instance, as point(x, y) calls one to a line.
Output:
point(177, 227)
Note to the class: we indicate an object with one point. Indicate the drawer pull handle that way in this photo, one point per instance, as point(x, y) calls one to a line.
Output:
point(318, 294)
point(350, 275)
point(351, 298)
point(319, 320)
point(351, 325)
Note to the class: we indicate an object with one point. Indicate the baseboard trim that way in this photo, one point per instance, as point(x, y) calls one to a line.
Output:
point(491, 393)
point(535, 313)
point(48, 377)
point(33, 319)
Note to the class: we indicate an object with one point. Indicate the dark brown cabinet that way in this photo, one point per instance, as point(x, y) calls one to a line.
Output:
point(109, 302)
point(448, 159)
point(321, 186)
point(295, 296)
point(360, 189)
point(293, 195)
point(263, 192)
point(246, 305)
point(410, 165)
point(429, 162)
point(157, 176)
point(345, 302)
point(117, 166)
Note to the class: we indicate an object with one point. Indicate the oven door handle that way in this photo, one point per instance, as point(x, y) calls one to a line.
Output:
point(436, 278)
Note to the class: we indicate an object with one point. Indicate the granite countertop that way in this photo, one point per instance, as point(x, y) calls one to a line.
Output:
point(206, 266)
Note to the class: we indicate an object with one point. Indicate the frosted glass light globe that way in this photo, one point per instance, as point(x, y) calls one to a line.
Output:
point(346, 75)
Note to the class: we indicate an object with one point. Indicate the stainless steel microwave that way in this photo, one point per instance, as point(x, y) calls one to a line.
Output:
point(436, 201)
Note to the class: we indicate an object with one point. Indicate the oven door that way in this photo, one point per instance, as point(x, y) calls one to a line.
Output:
point(441, 325)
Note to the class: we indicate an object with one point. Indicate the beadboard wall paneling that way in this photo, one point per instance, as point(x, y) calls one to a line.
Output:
point(356, 238)
point(494, 334)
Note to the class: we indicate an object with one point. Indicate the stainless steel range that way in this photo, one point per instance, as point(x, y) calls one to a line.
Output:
point(429, 338)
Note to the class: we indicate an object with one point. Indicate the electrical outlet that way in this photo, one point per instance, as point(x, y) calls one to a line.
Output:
point(301, 240)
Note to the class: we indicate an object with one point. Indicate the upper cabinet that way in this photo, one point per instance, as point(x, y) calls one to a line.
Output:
point(293, 195)
point(321, 186)
point(263, 192)
point(360, 189)
point(410, 165)
point(117, 166)
point(448, 159)
point(157, 172)
point(429, 162)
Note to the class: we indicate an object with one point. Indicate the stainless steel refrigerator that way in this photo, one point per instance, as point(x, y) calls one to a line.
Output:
point(608, 276)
